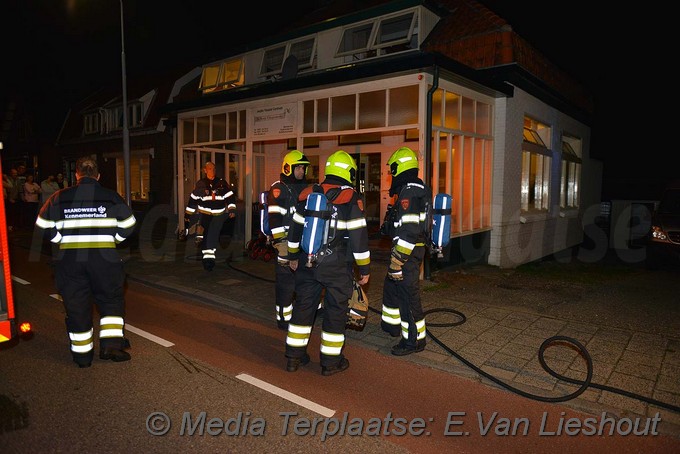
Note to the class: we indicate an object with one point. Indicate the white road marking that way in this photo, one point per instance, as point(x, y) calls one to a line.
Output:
point(56, 296)
point(323, 411)
point(149, 336)
point(19, 280)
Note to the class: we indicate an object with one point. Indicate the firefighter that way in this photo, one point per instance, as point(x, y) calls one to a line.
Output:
point(333, 274)
point(213, 202)
point(87, 221)
point(402, 311)
point(281, 201)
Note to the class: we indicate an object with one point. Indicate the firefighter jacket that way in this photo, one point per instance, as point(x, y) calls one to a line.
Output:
point(281, 203)
point(410, 227)
point(351, 229)
point(86, 216)
point(211, 197)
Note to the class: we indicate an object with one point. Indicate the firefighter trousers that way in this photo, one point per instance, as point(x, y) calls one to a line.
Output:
point(335, 277)
point(212, 227)
point(285, 292)
point(84, 276)
point(401, 300)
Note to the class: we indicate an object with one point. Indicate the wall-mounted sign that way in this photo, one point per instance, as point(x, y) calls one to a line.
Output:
point(275, 120)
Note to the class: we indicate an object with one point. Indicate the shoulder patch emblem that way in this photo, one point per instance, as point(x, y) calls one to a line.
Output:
point(361, 204)
point(276, 192)
point(404, 204)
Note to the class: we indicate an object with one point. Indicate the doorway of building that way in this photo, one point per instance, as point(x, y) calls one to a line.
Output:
point(368, 185)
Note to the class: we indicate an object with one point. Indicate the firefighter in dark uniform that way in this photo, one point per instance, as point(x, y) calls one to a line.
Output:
point(86, 221)
point(211, 203)
point(334, 272)
point(282, 198)
point(402, 311)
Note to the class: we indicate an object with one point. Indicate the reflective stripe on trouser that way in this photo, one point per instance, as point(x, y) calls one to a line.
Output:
point(298, 337)
point(82, 343)
point(285, 292)
point(405, 295)
point(111, 326)
point(420, 329)
point(331, 344)
point(390, 316)
point(333, 274)
point(283, 314)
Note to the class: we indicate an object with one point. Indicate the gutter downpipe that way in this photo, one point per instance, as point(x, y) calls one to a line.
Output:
point(428, 152)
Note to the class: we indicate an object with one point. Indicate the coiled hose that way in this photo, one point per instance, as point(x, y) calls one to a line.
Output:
point(563, 341)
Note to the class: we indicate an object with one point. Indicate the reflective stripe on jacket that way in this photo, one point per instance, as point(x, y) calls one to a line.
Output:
point(86, 216)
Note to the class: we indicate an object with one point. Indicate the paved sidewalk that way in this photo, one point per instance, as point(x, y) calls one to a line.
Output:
point(500, 339)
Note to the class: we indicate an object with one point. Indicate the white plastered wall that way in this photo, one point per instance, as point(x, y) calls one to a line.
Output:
point(519, 237)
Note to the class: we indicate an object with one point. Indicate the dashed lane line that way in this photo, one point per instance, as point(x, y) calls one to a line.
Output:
point(147, 335)
point(320, 409)
point(20, 281)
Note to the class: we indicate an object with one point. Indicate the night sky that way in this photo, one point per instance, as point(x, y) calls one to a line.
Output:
point(56, 51)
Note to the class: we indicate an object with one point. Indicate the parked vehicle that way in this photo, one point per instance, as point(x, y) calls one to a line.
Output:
point(10, 327)
point(664, 238)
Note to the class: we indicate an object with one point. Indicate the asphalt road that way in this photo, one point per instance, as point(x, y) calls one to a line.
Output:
point(220, 379)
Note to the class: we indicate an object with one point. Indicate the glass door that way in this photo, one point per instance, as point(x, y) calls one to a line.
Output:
point(368, 185)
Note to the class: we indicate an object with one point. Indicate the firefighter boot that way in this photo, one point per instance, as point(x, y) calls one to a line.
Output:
point(330, 370)
point(403, 348)
point(114, 355)
point(83, 360)
point(294, 363)
point(392, 330)
point(113, 348)
point(282, 325)
point(208, 264)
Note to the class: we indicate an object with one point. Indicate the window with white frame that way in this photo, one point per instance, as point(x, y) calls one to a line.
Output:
point(536, 164)
point(570, 178)
point(222, 75)
point(116, 116)
point(381, 36)
point(135, 116)
point(340, 113)
point(91, 123)
point(216, 128)
point(303, 50)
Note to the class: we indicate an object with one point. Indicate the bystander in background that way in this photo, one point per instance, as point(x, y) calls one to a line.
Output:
point(10, 190)
point(61, 181)
point(31, 200)
point(48, 186)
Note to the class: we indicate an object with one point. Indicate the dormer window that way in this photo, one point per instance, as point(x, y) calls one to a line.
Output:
point(304, 52)
point(91, 123)
point(222, 75)
point(355, 40)
point(395, 30)
point(381, 36)
point(135, 116)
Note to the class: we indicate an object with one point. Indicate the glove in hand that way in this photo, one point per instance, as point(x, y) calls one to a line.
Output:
point(394, 270)
point(282, 252)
